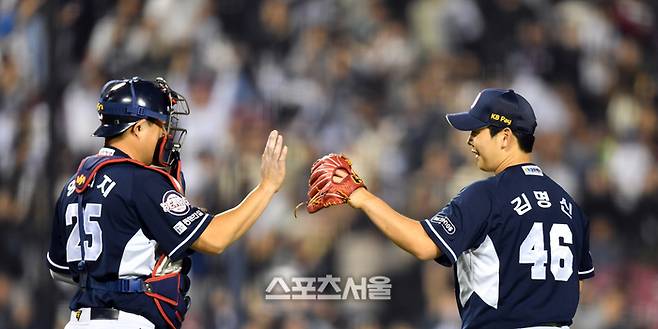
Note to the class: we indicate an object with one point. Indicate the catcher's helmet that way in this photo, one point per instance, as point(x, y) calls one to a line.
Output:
point(124, 102)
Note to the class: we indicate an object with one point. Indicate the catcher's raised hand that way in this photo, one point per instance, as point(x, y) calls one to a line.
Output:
point(332, 181)
point(273, 163)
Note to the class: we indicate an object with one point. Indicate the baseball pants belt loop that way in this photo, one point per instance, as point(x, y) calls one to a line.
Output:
point(103, 313)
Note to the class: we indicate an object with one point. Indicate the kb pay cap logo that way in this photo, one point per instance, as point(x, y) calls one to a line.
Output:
point(174, 203)
point(445, 222)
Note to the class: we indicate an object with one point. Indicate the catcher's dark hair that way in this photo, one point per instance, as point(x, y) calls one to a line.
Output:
point(526, 141)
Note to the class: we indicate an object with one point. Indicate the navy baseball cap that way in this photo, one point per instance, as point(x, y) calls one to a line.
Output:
point(496, 107)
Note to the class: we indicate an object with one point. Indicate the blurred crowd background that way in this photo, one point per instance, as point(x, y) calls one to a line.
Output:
point(370, 78)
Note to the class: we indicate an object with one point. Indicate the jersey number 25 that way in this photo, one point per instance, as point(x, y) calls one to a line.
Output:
point(532, 252)
point(94, 249)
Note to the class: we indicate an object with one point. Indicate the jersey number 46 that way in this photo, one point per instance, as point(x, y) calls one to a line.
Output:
point(532, 252)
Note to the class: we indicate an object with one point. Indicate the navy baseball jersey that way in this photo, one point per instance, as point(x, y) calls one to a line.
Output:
point(131, 215)
point(520, 245)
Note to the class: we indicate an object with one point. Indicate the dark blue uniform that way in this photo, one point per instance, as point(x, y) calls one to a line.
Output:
point(132, 214)
point(520, 245)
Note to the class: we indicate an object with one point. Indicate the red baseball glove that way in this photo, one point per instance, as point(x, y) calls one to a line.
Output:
point(327, 187)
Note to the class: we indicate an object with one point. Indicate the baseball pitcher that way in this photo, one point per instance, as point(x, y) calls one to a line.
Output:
point(518, 243)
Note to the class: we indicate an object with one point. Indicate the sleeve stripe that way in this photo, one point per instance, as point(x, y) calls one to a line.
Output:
point(441, 239)
point(55, 265)
point(586, 272)
point(189, 236)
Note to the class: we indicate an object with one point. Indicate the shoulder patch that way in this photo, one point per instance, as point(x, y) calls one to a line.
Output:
point(445, 222)
point(532, 170)
point(174, 203)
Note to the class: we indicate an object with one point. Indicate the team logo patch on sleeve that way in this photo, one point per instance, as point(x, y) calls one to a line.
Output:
point(180, 227)
point(445, 222)
point(174, 203)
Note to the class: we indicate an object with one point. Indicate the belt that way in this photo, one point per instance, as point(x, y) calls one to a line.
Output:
point(103, 313)
point(120, 285)
point(87, 314)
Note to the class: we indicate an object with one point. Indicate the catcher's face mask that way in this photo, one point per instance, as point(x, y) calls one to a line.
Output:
point(169, 145)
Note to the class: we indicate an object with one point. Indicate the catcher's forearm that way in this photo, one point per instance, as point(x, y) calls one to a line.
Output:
point(405, 232)
point(230, 225)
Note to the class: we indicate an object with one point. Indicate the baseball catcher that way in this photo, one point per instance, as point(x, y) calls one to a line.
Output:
point(123, 230)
